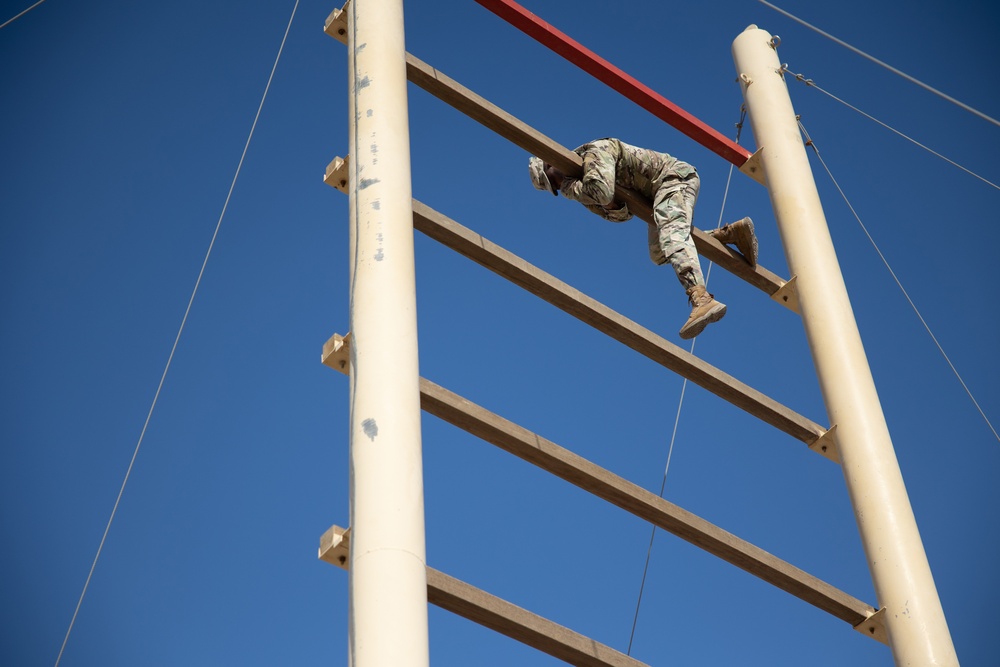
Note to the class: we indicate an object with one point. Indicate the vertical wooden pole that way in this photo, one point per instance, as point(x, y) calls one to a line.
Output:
point(388, 581)
point(914, 619)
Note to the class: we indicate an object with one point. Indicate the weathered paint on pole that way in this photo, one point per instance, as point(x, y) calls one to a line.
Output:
point(388, 581)
point(917, 629)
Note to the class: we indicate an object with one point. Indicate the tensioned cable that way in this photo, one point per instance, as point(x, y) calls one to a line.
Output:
point(177, 338)
point(14, 18)
point(812, 144)
point(812, 84)
point(680, 404)
point(885, 65)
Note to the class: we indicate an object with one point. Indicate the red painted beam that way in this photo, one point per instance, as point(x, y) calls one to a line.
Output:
point(628, 86)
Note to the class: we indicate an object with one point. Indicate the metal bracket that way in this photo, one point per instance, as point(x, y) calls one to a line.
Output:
point(826, 445)
point(754, 169)
point(336, 173)
point(336, 23)
point(335, 546)
point(874, 627)
point(337, 353)
point(788, 296)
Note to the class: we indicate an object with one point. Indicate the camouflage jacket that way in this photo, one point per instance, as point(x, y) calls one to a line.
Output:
point(609, 162)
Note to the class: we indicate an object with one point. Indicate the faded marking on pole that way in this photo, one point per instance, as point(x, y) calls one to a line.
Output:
point(370, 428)
point(365, 182)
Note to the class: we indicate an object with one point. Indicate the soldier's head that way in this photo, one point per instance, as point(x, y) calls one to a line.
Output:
point(539, 172)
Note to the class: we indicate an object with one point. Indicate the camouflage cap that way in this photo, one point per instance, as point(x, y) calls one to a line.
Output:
point(536, 168)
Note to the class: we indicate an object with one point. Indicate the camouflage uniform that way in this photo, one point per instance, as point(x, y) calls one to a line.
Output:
point(672, 186)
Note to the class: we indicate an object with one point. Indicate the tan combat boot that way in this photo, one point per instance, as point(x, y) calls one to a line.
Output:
point(740, 234)
point(704, 310)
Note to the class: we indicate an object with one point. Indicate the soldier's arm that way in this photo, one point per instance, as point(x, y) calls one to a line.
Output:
point(597, 185)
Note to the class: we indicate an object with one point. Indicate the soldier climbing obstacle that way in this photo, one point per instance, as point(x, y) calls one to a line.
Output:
point(673, 186)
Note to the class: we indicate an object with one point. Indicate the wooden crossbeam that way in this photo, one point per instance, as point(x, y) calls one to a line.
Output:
point(477, 605)
point(508, 265)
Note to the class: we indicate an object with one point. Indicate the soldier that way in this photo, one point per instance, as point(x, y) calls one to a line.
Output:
point(672, 186)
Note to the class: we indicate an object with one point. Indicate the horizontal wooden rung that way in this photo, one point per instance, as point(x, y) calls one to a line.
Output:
point(508, 265)
point(495, 613)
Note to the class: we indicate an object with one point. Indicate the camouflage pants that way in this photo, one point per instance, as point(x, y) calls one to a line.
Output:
point(670, 239)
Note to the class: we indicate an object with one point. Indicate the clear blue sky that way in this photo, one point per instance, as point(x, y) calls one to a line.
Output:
point(121, 126)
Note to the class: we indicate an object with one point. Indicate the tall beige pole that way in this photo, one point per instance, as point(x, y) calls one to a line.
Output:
point(388, 579)
point(914, 620)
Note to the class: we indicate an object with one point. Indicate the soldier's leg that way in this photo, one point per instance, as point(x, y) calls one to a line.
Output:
point(655, 250)
point(673, 212)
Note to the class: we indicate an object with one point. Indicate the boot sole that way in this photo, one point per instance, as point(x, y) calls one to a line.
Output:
point(746, 242)
point(696, 327)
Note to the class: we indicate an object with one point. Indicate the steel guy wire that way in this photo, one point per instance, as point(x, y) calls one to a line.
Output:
point(812, 84)
point(177, 339)
point(16, 17)
point(812, 144)
point(885, 65)
point(680, 403)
